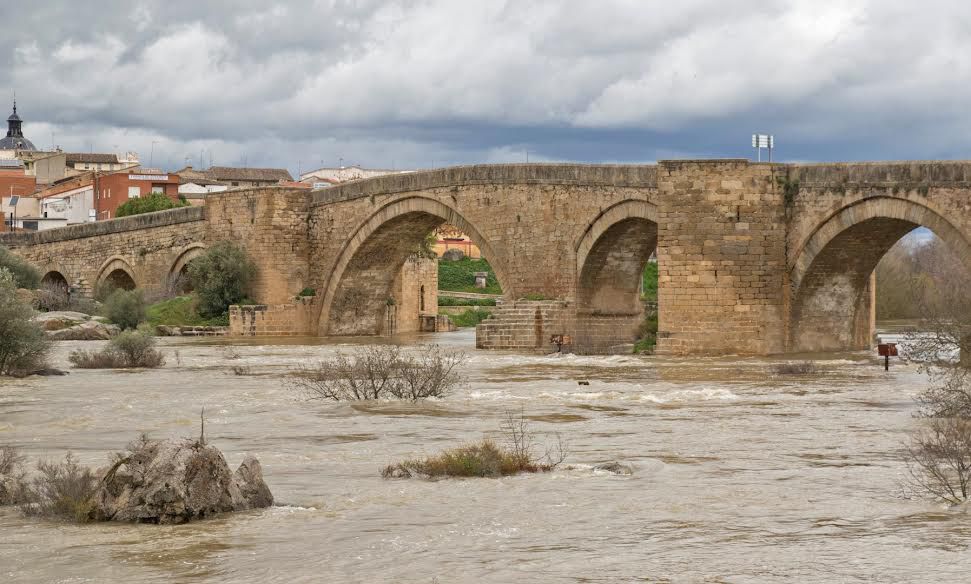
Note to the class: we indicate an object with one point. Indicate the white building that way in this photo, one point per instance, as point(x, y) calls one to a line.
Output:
point(325, 177)
point(73, 206)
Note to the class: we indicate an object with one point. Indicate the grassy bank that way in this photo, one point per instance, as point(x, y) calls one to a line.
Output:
point(182, 311)
point(459, 276)
point(470, 317)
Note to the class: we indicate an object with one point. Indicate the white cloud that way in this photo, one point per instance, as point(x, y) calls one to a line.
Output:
point(482, 80)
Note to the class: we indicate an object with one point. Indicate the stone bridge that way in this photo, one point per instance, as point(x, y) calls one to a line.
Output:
point(753, 258)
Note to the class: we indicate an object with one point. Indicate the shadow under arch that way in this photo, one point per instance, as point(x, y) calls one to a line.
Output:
point(830, 275)
point(358, 290)
point(177, 275)
point(611, 256)
point(55, 278)
point(118, 273)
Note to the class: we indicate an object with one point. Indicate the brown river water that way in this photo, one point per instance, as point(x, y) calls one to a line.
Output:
point(740, 475)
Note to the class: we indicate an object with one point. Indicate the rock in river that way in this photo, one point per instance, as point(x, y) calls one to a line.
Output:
point(176, 481)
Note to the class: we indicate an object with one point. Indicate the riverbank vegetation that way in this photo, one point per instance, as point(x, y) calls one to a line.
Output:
point(939, 450)
point(452, 301)
point(221, 277)
point(485, 458)
point(128, 350)
point(125, 308)
point(23, 273)
point(459, 276)
point(470, 317)
point(150, 204)
point(182, 311)
point(24, 347)
point(381, 372)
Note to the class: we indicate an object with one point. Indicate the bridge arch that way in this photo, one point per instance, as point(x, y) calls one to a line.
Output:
point(611, 256)
point(117, 273)
point(177, 279)
point(830, 274)
point(55, 278)
point(359, 287)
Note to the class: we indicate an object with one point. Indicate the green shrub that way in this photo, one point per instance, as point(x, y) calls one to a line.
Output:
point(470, 317)
point(450, 301)
point(534, 296)
point(221, 277)
point(130, 349)
point(62, 491)
point(649, 289)
point(485, 458)
point(308, 291)
point(459, 276)
point(23, 345)
point(125, 308)
point(647, 334)
point(24, 274)
point(150, 204)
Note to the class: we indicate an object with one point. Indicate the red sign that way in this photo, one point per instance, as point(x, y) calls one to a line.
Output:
point(887, 349)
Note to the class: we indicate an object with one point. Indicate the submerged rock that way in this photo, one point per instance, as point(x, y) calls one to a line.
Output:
point(615, 468)
point(176, 481)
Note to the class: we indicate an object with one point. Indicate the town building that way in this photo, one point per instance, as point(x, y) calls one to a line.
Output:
point(83, 161)
point(329, 176)
point(93, 196)
point(14, 141)
point(116, 188)
point(248, 177)
point(14, 182)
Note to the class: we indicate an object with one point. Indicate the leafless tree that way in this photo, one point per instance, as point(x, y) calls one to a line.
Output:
point(381, 371)
point(939, 459)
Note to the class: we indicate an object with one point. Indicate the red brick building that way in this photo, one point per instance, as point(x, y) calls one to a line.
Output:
point(13, 182)
point(115, 189)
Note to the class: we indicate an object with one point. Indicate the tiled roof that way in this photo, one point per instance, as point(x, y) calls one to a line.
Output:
point(224, 173)
point(87, 157)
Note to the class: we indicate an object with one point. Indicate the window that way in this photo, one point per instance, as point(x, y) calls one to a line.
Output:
point(158, 189)
point(134, 192)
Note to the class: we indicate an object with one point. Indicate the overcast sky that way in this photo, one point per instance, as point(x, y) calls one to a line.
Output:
point(430, 83)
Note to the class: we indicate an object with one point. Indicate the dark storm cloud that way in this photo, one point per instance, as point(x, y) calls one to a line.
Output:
point(435, 82)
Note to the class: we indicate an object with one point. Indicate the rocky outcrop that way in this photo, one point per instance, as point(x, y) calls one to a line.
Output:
point(176, 481)
point(75, 326)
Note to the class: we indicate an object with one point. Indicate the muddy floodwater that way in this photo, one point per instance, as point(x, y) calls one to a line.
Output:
point(740, 475)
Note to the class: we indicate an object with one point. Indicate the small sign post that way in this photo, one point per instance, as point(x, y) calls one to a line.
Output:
point(760, 141)
point(560, 340)
point(887, 350)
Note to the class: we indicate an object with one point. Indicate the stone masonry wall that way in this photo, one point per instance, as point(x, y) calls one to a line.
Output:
point(271, 225)
point(415, 292)
point(275, 320)
point(721, 258)
point(146, 246)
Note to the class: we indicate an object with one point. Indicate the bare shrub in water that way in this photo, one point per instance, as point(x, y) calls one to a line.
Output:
point(377, 372)
point(940, 459)
point(485, 458)
point(11, 475)
point(130, 349)
point(796, 368)
point(62, 491)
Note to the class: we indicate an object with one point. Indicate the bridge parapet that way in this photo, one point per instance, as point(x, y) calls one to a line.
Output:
point(886, 174)
point(613, 175)
point(99, 228)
